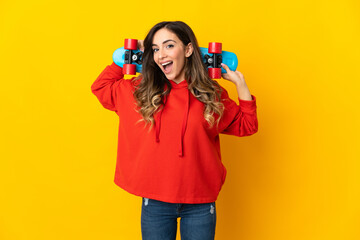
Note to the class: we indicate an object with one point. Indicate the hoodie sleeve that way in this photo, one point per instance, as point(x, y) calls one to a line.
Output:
point(239, 120)
point(106, 86)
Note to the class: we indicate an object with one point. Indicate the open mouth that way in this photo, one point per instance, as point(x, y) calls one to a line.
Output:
point(167, 67)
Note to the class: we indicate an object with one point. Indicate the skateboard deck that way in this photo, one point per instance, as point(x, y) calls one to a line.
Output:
point(228, 58)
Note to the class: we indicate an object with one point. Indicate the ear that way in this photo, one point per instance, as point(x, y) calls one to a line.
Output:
point(189, 50)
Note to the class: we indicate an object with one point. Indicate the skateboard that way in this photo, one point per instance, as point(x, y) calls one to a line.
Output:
point(130, 58)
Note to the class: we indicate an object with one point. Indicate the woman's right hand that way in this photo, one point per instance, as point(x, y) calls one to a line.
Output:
point(140, 45)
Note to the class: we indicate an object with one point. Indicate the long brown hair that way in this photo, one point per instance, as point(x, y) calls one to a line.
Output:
point(150, 92)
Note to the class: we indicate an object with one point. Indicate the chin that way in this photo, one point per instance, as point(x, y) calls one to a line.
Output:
point(170, 77)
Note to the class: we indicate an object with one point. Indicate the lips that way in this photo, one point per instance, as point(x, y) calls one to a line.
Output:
point(167, 67)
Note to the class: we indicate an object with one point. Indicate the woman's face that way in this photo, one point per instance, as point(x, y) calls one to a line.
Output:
point(169, 54)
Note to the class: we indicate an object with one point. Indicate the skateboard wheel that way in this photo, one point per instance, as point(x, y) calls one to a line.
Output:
point(214, 73)
point(215, 47)
point(129, 69)
point(130, 44)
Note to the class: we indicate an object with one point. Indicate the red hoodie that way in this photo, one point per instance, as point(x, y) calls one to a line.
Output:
point(179, 160)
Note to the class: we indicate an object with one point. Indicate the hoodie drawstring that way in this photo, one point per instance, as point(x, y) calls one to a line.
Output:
point(181, 151)
point(184, 123)
point(158, 120)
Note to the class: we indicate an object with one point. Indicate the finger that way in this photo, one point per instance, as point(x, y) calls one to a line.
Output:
point(225, 76)
point(225, 67)
point(240, 74)
point(141, 45)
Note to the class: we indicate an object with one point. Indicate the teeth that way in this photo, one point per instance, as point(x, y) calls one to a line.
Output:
point(166, 63)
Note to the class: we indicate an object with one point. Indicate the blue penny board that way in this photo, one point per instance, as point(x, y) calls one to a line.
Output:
point(229, 58)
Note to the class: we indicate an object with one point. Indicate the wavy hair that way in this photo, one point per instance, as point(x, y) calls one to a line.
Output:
point(150, 92)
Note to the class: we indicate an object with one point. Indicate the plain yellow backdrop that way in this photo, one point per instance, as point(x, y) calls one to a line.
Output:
point(298, 178)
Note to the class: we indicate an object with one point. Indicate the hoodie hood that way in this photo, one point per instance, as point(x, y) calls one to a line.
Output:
point(175, 86)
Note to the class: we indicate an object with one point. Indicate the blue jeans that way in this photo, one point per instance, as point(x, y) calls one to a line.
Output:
point(159, 220)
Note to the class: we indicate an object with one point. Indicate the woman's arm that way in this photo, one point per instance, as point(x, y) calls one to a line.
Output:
point(110, 85)
point(239, 120)
point(106, 86)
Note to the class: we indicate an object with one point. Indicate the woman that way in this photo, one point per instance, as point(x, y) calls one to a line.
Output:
point(170, 120)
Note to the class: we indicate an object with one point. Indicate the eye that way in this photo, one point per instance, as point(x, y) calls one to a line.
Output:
point(155, 49)
point(170, 46)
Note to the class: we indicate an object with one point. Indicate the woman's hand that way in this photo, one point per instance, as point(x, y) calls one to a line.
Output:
point(140, 45)
point(238, 79)
point(235, 77)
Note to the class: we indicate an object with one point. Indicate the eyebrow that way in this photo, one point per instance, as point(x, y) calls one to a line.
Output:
point(165, 42)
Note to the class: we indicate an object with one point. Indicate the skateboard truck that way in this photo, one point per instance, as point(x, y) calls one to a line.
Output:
point(213, 62)
point(131, 57)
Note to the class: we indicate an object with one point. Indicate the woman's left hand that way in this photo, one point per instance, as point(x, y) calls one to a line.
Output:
point(234, 76)
point(238, 79)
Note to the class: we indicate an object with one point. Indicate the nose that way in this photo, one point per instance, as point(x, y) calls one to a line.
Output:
point(161, 54)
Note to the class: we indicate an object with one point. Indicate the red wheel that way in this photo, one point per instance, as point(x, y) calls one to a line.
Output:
point(129, 69)
point(215, 47)
point(214, 73)
point(130, 44)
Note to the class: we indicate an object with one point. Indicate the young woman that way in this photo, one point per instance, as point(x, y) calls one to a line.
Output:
point(170, 120)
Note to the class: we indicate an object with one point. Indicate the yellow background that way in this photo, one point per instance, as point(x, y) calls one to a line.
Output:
point(297, 178)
